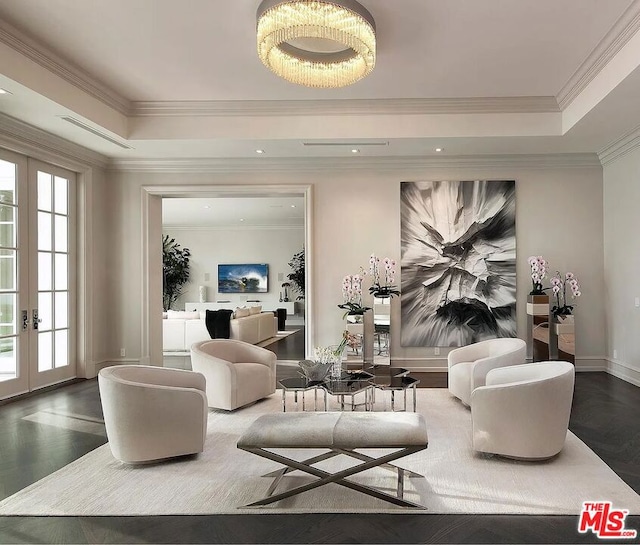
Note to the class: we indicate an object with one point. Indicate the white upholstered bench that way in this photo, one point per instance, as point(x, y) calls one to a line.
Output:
point(340, 433)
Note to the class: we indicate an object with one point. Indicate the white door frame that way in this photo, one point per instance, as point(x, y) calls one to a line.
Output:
point(151, 285)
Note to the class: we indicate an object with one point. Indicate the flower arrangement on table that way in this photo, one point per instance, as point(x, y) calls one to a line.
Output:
point(330, 357)
point(559, 289)
point(383, 272)
point(352, 296)
point(539, 267)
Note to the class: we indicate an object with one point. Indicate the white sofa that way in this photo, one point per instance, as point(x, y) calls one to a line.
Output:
point(236, 373)
point(523, 411)
point(181, 329)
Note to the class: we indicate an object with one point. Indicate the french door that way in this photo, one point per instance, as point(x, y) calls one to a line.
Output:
point(37, 242)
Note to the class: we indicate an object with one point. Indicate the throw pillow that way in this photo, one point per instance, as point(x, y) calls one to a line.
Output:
point(255, 310)
point(241, 312)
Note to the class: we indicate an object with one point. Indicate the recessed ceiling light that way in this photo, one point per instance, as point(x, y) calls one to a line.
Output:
point(293, 206)
point(241, 219)
point(4, 92)
point(260, 151)
point(207, 206)
point(354, 150)
point(439, 149)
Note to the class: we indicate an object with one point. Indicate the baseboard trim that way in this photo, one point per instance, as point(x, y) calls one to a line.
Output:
point(622, 371)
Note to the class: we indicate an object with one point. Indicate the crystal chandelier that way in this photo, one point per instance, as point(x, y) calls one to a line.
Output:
point(317, 43)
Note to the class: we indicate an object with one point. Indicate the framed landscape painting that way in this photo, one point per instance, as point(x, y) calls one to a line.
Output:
point(458, 264)
point(243, 278)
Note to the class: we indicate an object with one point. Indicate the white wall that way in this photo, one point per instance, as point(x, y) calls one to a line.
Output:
point(210, 247)
point(622, 265)
point(357, 212)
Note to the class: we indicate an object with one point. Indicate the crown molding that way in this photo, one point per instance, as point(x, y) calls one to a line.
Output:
point(33, 50)
point(562, 160)
point(408, 106)
point(620, 147)
point(234, 227)
point(23, 138)
point(622, 31)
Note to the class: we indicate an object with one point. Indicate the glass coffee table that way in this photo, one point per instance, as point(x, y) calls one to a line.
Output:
point(351, 383)
point(350, 387)
point(395, 384)
point(301, 384)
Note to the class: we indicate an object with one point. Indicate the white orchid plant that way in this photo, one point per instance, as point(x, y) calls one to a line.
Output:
point(383, 272)
point(352, 295)
point(539, 267)
point(559, 285)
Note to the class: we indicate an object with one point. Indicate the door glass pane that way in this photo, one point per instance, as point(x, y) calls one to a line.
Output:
point(61, 348)
point(7, 226)
point(44, 231)
point(44, 271)
point(7, 313)
point(45, 311)
point(60, 275)
point(45, 351)
point(7, 182)
point(8, 361)
point(62, 309)
point(7, 269)
point(60, 199)
point(60, 231)
point(44, 191)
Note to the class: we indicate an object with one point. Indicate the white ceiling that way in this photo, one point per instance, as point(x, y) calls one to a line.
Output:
point(182, 80)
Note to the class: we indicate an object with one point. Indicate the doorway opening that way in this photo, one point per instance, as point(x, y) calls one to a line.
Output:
point(261, 229)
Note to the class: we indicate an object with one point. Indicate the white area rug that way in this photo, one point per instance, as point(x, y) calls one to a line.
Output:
point(224, 478)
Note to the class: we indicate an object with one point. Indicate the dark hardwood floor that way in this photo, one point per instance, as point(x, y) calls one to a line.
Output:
point(605, 416)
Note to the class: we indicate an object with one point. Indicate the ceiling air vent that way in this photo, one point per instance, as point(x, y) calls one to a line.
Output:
point(346, 144)
point(90, 129)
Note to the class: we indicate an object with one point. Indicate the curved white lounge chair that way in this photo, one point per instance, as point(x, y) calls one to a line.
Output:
point(469, 365)
point(237, 373)
point(153, 413)
point(523, 411)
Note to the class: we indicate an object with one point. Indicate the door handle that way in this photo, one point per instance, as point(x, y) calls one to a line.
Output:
point(25, 320)
point(36, 320)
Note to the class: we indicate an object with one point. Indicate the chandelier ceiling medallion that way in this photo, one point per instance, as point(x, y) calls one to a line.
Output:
point(317, 43)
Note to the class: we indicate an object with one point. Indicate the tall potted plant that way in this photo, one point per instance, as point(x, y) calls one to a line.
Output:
point(175, 270)
point(297, 276)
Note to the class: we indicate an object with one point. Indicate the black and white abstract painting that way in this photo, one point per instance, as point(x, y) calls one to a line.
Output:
point(458, 268)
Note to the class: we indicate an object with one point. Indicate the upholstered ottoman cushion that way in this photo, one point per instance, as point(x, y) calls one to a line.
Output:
point(336, 429)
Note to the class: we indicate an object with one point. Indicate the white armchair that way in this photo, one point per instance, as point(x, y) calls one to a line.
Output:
point(237, 373)
point(523, 411)
point(469, 365)
point(152, 413)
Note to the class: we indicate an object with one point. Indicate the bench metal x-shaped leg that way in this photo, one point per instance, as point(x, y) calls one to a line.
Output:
point(340, 477)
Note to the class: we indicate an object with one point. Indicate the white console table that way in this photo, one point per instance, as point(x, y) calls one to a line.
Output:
point(233, 304)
